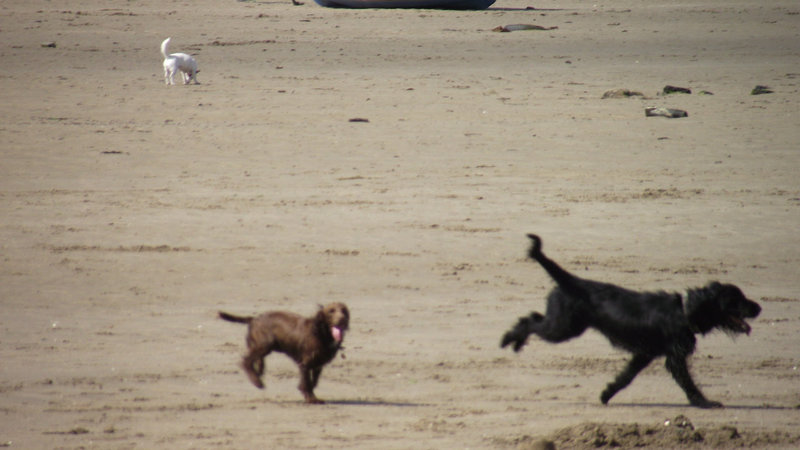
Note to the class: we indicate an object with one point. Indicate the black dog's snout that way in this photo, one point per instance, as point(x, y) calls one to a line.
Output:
point(755, 309)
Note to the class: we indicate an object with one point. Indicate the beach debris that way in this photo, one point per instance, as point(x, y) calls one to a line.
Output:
point(359, 119)
point(760, 89)
point(680, 421)
point(521, 27)
point(675, 89)
point(49, 44)
point(621, 93)
point(665, 112)
point(705, 93)
point(77, 430)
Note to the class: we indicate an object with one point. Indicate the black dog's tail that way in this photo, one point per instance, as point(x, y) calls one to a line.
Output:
point(565, 280)
point(237, 319)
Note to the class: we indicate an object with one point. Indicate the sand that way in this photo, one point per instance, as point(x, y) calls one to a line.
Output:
point(133, 211)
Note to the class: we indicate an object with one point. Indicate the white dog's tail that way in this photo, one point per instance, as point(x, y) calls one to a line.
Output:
point(165, 46)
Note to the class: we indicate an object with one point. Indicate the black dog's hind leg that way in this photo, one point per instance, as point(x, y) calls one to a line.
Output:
point(519, 334)
point(566, 315)
point(562, 322)
point(680, 372)
point(635, 365)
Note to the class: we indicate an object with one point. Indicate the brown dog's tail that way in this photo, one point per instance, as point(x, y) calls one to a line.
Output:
point(237, 319)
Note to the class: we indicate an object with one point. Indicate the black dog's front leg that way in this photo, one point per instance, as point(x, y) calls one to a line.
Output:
point(680, 372)
point(635, 365)
point(519, 334)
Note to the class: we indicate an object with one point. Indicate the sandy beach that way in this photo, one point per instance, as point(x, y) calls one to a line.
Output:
point(392, 160)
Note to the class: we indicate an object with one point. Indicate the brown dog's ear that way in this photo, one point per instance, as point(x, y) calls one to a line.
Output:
point(321, 315)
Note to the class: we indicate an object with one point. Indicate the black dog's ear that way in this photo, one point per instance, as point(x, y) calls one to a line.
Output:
point(726, 295)
point(714, 288)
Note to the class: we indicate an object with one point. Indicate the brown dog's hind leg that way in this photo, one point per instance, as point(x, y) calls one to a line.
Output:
point(259, 365)
point(253, 365)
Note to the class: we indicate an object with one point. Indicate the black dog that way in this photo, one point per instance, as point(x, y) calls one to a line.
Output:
point(647, 324)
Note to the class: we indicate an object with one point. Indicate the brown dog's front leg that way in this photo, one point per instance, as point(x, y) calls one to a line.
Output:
point(315, 373)
point(306, 386)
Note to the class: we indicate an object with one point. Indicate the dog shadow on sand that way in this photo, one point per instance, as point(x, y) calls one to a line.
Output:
point(683, 406)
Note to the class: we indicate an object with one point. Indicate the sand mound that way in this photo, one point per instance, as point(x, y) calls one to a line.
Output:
point(672, 433)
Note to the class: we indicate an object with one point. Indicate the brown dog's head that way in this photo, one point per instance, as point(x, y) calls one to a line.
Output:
point(336, 320)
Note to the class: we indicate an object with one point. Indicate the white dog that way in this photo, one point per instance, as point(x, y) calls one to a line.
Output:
point(175, 62)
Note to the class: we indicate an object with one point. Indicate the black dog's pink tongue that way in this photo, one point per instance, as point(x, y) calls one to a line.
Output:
point(743, 326)
point(336, 333)
point(746, 327)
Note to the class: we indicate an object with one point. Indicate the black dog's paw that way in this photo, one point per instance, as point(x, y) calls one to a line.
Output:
point(517, 335)
point(511, 337)
point(518, 343)
point(707, 404)
point(606, 396)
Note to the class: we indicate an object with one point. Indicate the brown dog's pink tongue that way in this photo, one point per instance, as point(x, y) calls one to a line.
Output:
point(337, 334)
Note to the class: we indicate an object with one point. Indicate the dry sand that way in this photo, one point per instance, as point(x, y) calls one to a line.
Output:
point(133, 211)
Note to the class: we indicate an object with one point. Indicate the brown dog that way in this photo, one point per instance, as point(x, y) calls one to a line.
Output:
point(311, 342)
